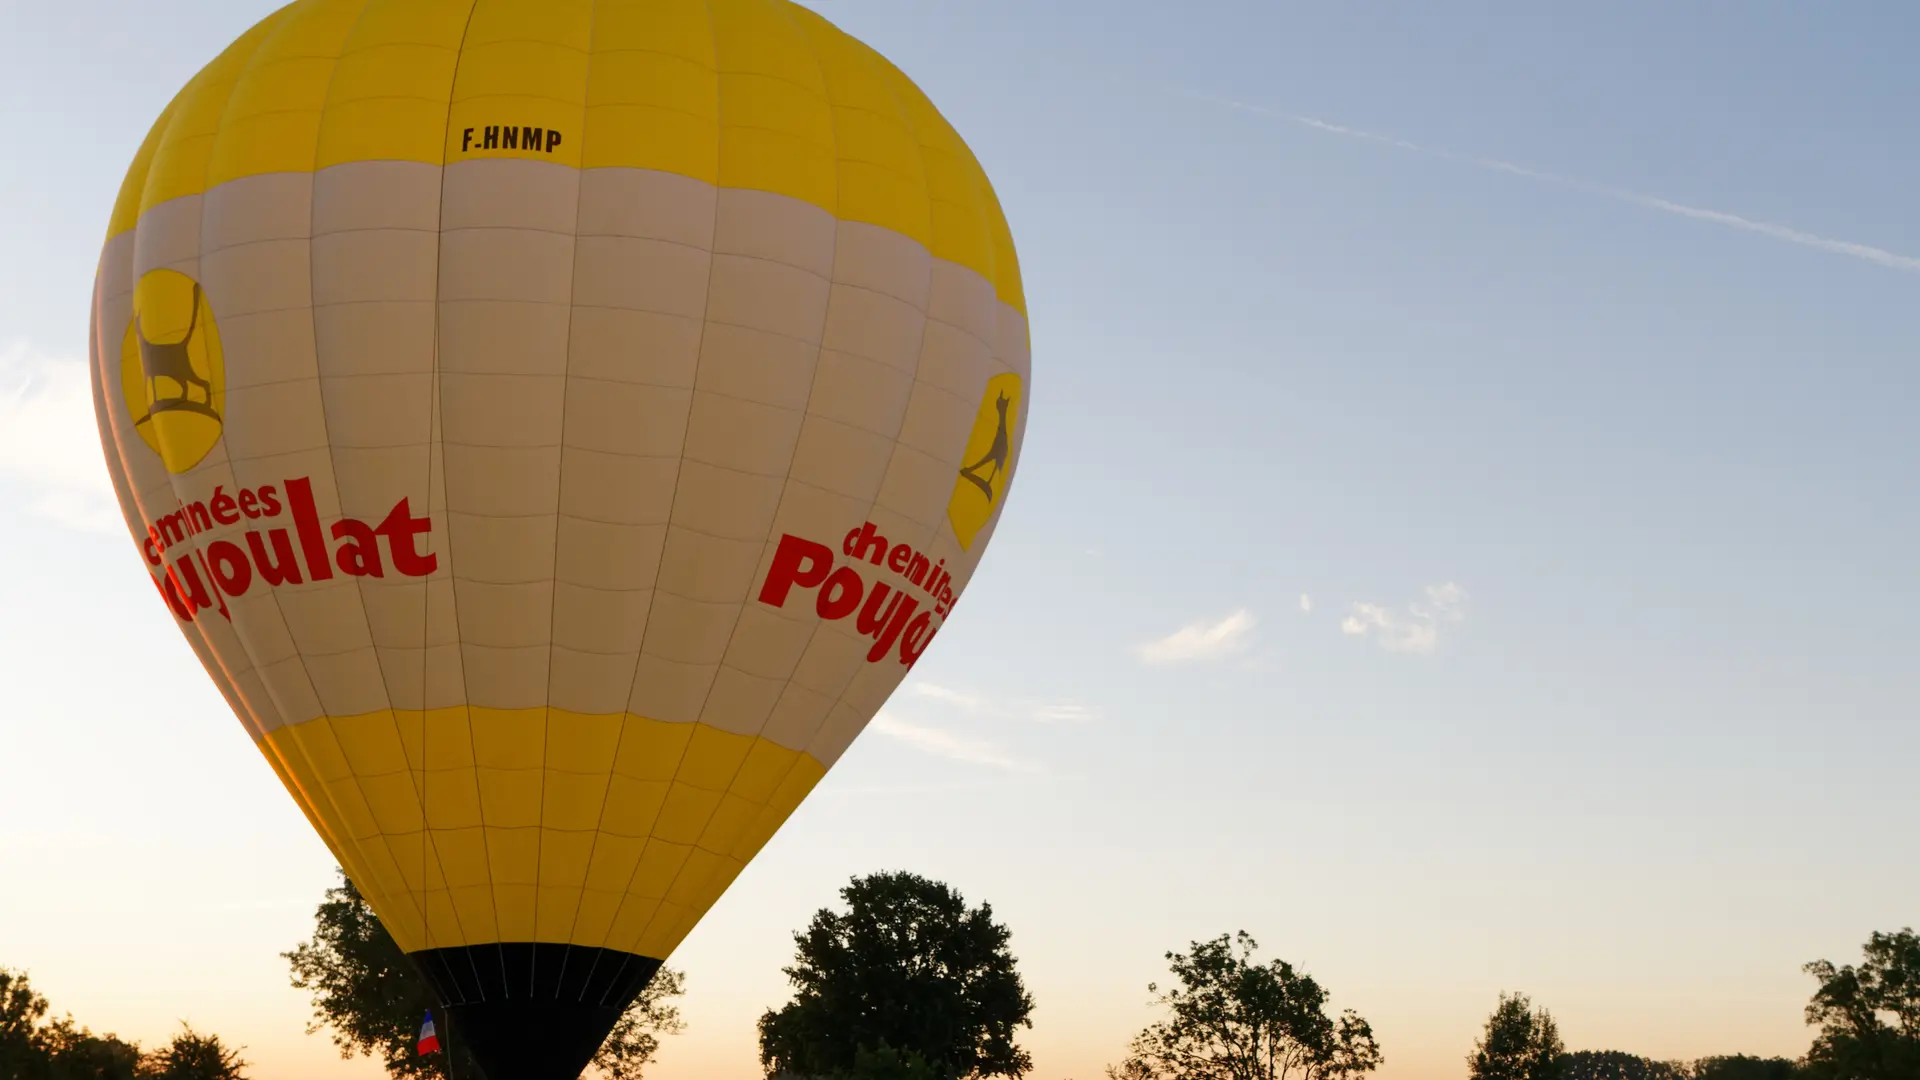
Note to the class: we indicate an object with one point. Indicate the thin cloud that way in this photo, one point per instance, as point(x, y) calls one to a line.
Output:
point(1306, 604)
point(1062, 712)
point(943, 693)
point(830, 791)
point(1202, 640)
point(946, 744)
point(1041, 712)
point(1867, 252)
point(50, 444)
point(1415, 630)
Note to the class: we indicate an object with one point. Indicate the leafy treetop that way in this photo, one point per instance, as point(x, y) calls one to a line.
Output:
point(1233, 1019)
point(908, 981)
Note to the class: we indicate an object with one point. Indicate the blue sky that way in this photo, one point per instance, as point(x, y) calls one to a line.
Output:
point(1527, 346)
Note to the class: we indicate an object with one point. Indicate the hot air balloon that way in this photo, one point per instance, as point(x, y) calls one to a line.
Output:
point(557, 426)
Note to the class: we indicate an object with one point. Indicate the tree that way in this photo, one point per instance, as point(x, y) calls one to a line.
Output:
point(63, 1050)
point(71, 1052)
point(192, 1056)
point(635, 1037)
point(369, 995)
point(1743, 1067)
point(908, 979)
point(57, 1049)
point(74, 1053)
point(1869, 1016)
point(1233, 1019)
point(1520, 1043)
point(886, 1063)
point(1617, 1065)
point(20, 1013)
point(364, 988)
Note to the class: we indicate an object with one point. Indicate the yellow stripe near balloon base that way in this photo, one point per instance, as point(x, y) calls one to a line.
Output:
point(762, 95)
point(454, 845)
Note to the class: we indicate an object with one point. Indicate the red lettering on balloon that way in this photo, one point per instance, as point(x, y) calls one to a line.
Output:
point(898, 623)
point(840, 595)
point(795, 562)
point(210, 569)
point(203, 573)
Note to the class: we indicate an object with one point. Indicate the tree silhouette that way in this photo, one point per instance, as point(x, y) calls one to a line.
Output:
point(1618, 1065)
point(1520, 1043)
point(1744, 1067)
point(1232, 1019)
point(1869, 1016)
point(908, 983)
point(63, 1050)
point(192, 1056)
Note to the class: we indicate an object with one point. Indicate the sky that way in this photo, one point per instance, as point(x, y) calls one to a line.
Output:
point(1464, 538)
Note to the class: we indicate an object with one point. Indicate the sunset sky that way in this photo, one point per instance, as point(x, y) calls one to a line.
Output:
point(1466, 538)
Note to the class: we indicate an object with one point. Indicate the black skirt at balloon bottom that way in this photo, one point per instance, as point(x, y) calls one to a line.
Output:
point(528, 1011)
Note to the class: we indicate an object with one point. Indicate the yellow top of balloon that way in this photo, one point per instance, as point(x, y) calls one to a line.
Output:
point(806, 111)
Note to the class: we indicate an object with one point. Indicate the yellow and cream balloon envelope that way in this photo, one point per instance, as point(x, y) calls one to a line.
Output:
point(557, 425)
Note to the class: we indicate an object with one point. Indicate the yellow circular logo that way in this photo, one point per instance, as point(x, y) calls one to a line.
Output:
point(172, 374)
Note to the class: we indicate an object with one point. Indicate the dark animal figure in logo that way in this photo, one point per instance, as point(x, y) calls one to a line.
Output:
point(172, 362)
point(995, 456)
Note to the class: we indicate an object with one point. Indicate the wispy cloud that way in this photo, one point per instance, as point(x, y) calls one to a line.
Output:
point(953, 709)
point(944, 693)
point(942, 743)
point(1062, 712)
point(1043, 712)
point(1206, 639)
point(1306, 604)
point(1881, 256)
point(1416, 629)
point(989, 783)
point(49, 443)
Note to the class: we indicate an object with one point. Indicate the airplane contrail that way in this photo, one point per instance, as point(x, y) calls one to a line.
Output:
point(1881, 256)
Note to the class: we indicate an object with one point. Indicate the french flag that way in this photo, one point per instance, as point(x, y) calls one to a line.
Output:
point(429, 1041)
